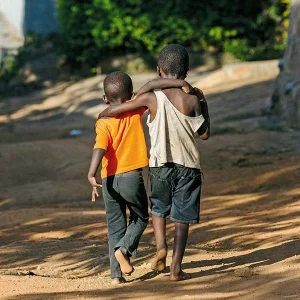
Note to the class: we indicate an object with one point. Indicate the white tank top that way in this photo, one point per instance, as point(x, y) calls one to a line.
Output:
point(172, 135)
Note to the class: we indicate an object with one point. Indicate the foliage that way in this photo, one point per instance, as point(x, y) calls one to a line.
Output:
point(267, 35)
point(11, 65)
point(94, 29)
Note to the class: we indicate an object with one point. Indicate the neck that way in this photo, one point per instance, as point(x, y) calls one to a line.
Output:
point(116, 102)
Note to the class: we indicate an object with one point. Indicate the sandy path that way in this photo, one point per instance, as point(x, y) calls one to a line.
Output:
point(247, 245)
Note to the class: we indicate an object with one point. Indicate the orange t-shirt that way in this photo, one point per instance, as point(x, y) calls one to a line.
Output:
point(123, 139)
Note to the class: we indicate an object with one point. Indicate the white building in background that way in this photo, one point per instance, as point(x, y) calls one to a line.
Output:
point(20, 17)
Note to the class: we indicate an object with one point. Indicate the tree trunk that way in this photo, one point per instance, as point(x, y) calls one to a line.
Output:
point(286, 95)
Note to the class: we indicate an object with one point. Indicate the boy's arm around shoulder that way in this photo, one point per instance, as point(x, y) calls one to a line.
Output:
point(144, 96)
point(160, 84)
point(114, 110)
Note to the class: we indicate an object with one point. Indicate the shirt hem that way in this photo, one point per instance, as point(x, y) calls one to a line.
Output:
point(160, 164)
point(124, 170)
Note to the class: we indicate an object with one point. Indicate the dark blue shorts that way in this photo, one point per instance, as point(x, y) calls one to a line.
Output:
point(175, 191)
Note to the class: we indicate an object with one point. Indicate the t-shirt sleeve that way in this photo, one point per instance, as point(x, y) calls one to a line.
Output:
point(102, 135)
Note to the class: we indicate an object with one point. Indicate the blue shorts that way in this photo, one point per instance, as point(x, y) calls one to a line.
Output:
point(175, 191)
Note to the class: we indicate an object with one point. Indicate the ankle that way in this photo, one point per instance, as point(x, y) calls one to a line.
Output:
point(161, 246)
point(175, 269)
point(162, 250)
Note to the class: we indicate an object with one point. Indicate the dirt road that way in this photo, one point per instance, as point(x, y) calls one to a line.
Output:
point(53, 239)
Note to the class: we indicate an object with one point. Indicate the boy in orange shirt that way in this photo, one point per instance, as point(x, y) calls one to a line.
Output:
point(120, 145)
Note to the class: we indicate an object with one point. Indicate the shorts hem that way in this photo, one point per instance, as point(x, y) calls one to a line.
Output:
point(126, 251)
point(159, 214)
point(185, 221)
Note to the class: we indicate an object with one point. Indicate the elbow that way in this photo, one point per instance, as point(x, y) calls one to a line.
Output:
point(204, 132)
point(205, 136)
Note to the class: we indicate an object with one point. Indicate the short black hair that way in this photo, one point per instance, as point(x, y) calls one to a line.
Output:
point(118, 85)
point(174, 60)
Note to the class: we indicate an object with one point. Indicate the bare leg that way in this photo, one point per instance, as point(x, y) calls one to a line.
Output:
point(159, 261)
point(181, 235)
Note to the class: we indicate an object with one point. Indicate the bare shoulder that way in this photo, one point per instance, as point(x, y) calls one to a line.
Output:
point(147, 100)
point(194, 104)
point(193, 100)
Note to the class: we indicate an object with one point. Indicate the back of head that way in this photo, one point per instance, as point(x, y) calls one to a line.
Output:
point(118, 87)
point(174, 60)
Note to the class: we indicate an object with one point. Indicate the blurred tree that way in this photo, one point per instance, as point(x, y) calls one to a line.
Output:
point(262, 34)
point(286, 94)
point(94, 29)
point(77, 41)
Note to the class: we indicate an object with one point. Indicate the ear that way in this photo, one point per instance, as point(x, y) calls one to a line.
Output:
point(105, 100)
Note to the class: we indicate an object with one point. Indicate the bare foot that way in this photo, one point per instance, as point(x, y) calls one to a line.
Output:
point(159, 261)
point(180, 276)
point(124, 262)
point(118, 280)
